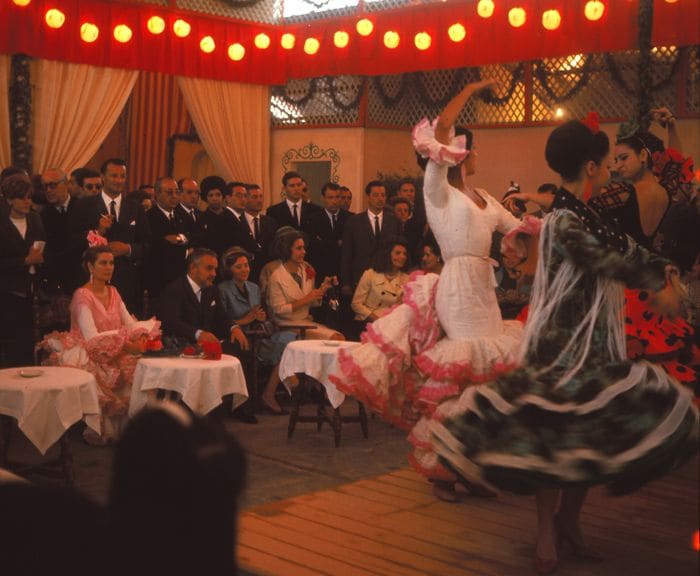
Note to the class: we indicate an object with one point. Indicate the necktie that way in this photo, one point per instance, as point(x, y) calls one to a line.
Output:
point(334, 218)
point(113, 210)
point(295, 214)
point(194, 215)
point(376, 227)
point(60, 209)
point(198, 294)
point(256, 227)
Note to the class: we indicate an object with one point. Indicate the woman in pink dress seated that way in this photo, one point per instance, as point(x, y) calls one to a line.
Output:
point(104, 339)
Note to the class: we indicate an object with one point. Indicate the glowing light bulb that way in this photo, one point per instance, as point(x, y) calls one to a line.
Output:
point(422, 40)
point(551, 19)
point(156, 25)
point(122, 33)
point(391, 39)
point(559, 113)
point(55, 18)
point(311, 46)
point(516, 17)
point(341, 39)
point(457, 32)
point(262, 41)
point(364, 27)
point(288, 41)
point(89, 32)
point(207, 45)
point(594, 10)
point(671, 1)
point(236, 52)
point(182, 28)
point(485, 8)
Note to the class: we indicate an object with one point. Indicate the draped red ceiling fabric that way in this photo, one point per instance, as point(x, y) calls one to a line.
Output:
point(488, 41)
point(157, 110)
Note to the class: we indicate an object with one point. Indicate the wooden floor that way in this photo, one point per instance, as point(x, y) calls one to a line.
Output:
point(392, 525)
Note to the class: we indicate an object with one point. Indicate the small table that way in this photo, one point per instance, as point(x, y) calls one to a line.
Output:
point(316, 360)
point(46, 405)
point(200, 383)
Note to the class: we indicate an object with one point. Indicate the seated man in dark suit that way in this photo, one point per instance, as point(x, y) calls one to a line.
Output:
point(190, 309)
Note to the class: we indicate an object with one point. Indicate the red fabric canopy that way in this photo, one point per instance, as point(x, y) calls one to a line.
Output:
point(488, 41)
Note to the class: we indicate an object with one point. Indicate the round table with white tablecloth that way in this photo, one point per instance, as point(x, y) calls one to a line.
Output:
point(201, 383)
point(46, 401)
point(316, 359)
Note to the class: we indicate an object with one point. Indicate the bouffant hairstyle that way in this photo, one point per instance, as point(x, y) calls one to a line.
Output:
point(211, 183)
point(643, 141)
point(381, 262)
point(282, 244)
point(571, 145)
point(16, 186)
point(91, 255)
point(229, 258)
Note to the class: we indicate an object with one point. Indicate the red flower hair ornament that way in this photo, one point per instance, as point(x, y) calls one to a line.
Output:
point(592, 122)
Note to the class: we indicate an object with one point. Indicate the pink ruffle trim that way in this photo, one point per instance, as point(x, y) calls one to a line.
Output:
point(427, 146)
point(425, 329)
point(460, 371)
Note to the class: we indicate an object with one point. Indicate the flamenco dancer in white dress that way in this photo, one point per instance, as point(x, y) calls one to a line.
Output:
point(448, 333)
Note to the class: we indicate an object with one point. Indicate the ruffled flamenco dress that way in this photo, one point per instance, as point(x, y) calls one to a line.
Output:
point(448, 332)
point(577, 412)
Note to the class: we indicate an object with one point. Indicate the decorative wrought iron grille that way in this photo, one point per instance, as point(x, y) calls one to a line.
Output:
point(574, 84)
point(268, 11)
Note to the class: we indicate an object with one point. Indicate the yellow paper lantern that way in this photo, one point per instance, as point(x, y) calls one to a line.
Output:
point(364, 27)
point(457, 32)
point(22, 3)
point(311, 46)
point(207, 45)
point(391, 39)
point(122, 33)
point(236, 52)
point(182, 28)
point(288, 41)
point(155, 25)
point(422, 40)
point(551, 19)
point(55, 18)
point(594, 10)
point(89, 32)
point(262, 41)
point(341, 39)
point(516, 17)
point(485, 8)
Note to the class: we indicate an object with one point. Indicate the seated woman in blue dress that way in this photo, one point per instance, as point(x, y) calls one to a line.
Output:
point(240, 301)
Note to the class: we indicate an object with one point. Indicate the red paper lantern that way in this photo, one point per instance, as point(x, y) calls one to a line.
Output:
point(155, 25)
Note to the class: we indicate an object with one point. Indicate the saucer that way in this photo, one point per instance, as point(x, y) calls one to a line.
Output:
point(192, 356)
point(30, 372)
point(332, 343)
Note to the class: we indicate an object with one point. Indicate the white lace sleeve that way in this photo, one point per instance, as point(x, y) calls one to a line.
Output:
point(86, 323)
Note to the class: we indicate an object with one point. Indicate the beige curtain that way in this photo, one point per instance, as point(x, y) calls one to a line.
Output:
point(74, 107)
point(233, 122)
point(5, 149)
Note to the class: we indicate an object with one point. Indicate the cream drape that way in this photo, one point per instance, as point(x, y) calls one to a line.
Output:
point(5, 148)
point(233, 122)
point(74, 107)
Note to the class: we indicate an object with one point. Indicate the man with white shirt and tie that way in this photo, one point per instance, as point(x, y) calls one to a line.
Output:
point(262, 229)
point(188, 210)
point(240, 233)
point(124, 225)
point(326, 240)
point(292, 211)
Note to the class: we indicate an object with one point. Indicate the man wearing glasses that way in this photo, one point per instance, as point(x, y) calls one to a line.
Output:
point(90, 183)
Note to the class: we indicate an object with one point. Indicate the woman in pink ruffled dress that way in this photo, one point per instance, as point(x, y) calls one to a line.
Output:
point(448, 333)
point(104, 339)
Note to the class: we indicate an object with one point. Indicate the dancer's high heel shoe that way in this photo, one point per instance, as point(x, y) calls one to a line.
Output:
point(578, 546)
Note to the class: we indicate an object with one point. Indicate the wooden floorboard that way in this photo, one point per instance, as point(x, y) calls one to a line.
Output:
point(392, 525)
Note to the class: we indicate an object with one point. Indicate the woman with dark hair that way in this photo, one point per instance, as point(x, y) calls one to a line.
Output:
point(21, 251)
point(577, 413)
point(174, 495)
point(381, 286)
point(291, 294)
point(431, 256)
point(448, 333)
point(104, 339)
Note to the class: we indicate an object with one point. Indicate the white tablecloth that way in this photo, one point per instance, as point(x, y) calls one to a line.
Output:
point(47, 405)
point(317, 359)
point(201, 383)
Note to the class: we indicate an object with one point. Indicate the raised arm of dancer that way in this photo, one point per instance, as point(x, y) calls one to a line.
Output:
point(666, 119)
point(450, 113)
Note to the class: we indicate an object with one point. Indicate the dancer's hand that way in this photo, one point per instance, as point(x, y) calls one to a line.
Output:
point(663, 116)
point(670, 300)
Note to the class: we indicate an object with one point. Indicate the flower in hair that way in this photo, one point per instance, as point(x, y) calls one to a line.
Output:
point(591, 122)
point(94, 238)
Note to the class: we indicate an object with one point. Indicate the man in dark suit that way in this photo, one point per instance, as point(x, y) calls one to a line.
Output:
point(292, 211)
point(62, 270)
point(166, 259)
point(262, 229)
point(346, 199)
point(188, 210)
point(235, 196)
point(124, 225)
point(327, 233)
point(363, 235)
